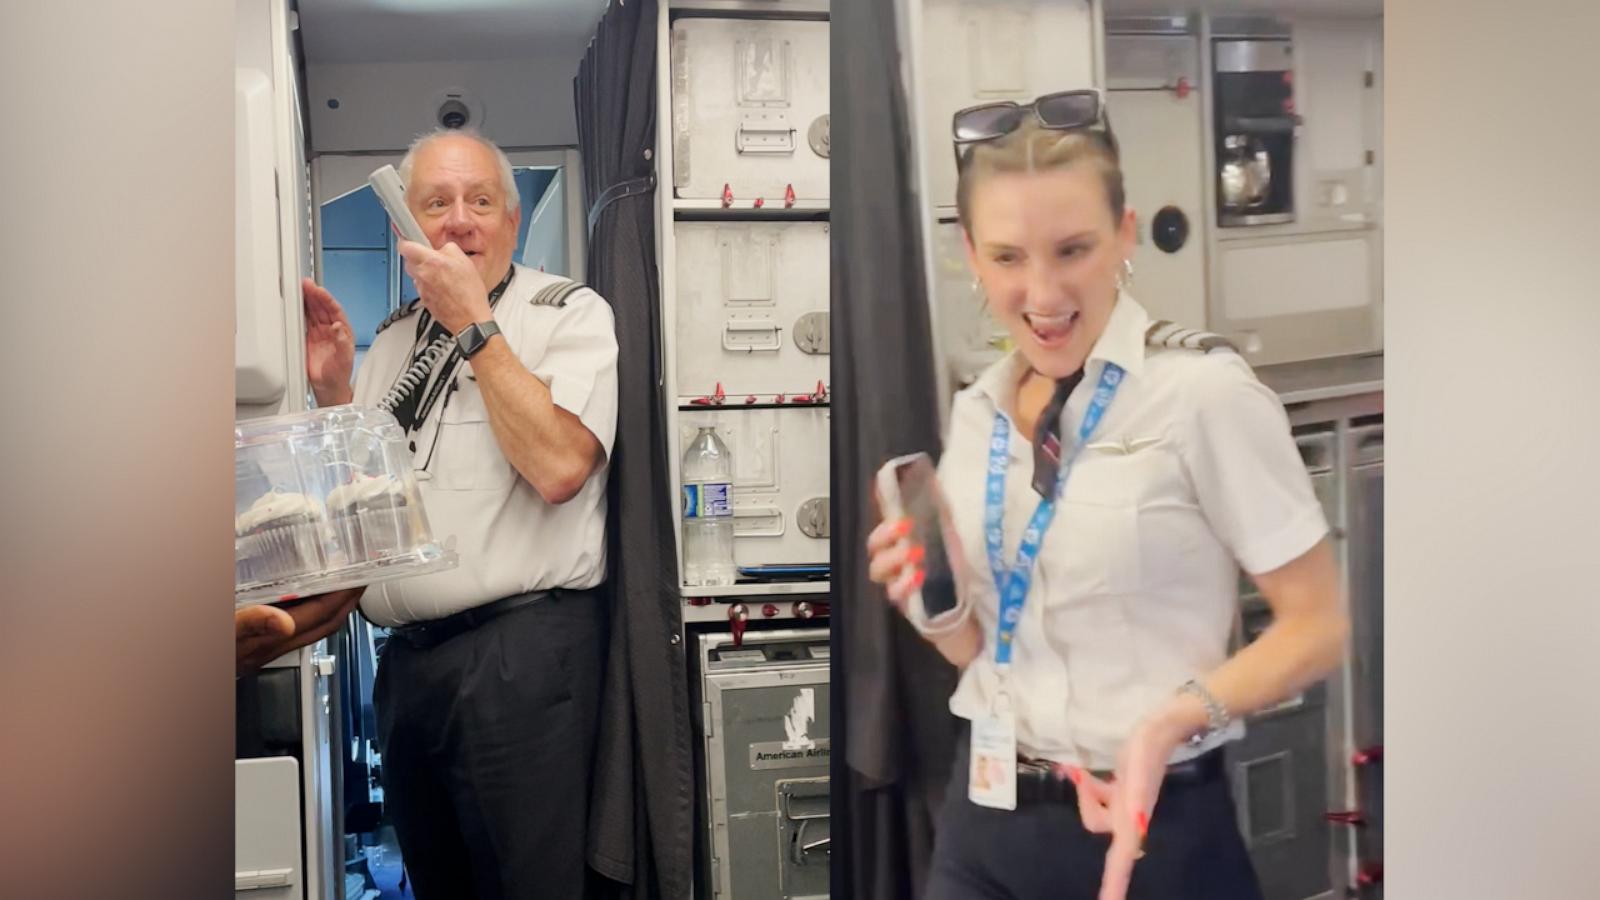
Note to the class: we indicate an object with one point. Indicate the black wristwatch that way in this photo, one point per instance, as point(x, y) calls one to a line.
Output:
point(474, 336)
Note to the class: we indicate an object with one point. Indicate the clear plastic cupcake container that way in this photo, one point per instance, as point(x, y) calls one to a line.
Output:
point(326, 500)
point(279, 553)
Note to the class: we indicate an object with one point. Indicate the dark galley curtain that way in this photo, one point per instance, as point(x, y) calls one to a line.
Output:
point(640, 821)
point(893, 747)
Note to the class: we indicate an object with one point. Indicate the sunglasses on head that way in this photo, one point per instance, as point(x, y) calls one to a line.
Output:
point(1061, 111)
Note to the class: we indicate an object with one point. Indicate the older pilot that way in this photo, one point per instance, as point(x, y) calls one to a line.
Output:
point(487, 694)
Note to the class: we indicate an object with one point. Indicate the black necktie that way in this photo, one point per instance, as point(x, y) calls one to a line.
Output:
point(1047, 438)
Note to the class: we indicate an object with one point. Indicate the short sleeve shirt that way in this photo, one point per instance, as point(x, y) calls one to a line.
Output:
point(1192, 475)
point(509, 539)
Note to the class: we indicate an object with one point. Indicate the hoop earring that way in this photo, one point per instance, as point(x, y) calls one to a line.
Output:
point(1125, 277)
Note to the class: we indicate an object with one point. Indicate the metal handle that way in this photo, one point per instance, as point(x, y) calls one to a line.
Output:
point(1316, 451)
point(765, 132)
point(1368, 440)
point(1295, 702)
point(789, 813)
point(758, 521)
point(744, 335)
point(800, 851)
point(261, 880)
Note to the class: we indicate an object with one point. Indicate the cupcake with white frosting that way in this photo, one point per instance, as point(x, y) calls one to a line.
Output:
point(278, 537)
point(374, 516)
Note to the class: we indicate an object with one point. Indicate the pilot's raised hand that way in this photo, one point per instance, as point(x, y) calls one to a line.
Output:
point(449, 284)
point(330, 346)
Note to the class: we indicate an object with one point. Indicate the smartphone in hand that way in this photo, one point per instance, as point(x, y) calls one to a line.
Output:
point(908, 488)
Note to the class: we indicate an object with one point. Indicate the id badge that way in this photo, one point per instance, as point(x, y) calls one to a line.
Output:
point(992, 773)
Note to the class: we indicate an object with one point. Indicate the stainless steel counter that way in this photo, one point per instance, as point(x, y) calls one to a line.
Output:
point(1324, 379)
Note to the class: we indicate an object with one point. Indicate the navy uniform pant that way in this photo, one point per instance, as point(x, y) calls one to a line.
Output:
point(1194, 850)
point(488, 742)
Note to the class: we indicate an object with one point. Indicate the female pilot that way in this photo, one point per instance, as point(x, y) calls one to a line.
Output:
point(1104, 484)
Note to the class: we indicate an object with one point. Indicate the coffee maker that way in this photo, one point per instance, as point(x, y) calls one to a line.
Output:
point(1255, 126)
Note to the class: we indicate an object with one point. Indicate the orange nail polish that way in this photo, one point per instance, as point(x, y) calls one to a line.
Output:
point(919, 578)
point(1143, 822)
point(904, 528)
point(918, 554)
point(1075, 774)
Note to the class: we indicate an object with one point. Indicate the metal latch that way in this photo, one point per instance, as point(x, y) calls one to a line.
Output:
point(811, 333)
point(750, 335)
point(819, 139)
point(765, 132)
point(814, 518)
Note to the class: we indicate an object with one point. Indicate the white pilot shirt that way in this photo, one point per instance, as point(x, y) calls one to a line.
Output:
point(1191, 475)
point(509, 539)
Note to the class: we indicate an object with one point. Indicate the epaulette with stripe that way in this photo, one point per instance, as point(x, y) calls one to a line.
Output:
point(556, 294)
point(399, 314)
point(1162, 333)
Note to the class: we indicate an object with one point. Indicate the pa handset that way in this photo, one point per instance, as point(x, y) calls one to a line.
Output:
point(391, 193)
point(908, 488)
point(416, 376)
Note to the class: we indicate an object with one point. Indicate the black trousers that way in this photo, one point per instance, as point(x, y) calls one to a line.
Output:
point(488, 742)
point(1193, 852)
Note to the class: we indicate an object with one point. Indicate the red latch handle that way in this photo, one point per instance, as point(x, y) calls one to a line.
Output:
point(1354, 817)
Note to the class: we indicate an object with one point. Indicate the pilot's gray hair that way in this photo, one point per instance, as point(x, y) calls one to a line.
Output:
point(508, 179)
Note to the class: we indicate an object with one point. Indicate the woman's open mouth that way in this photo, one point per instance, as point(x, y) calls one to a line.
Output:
point(1051, 331)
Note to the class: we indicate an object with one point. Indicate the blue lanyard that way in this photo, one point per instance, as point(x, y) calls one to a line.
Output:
point(1012, 583)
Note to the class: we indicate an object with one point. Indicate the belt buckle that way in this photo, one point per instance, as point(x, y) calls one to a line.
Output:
point(1033, 768)
point(1037, 782)
point(422, 634)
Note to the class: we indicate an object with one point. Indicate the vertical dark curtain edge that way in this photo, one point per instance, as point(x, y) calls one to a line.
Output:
point(641, 810)
point(894, 742)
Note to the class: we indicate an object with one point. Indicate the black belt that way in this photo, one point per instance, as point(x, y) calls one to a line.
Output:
point(1037, 781)
point(434, 632)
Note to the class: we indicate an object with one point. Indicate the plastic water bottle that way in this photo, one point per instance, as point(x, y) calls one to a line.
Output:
point(708, 511)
